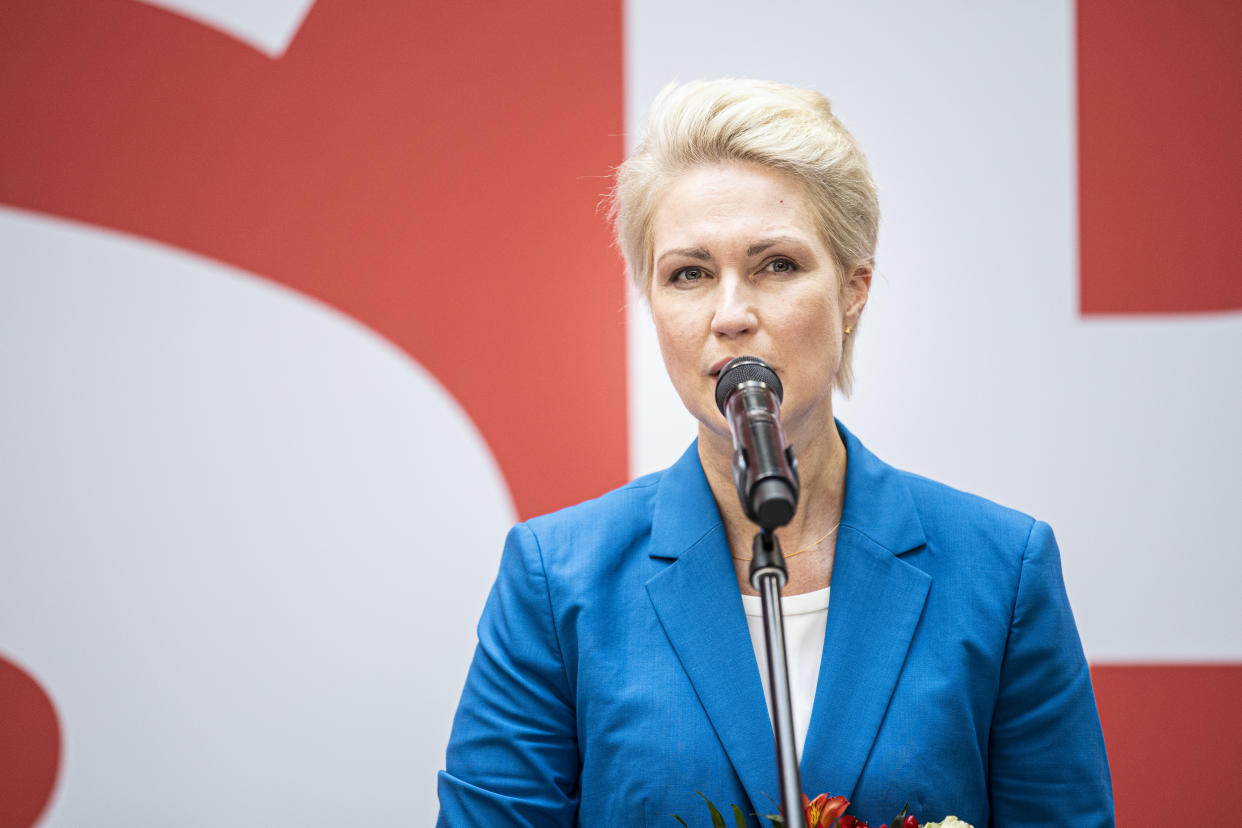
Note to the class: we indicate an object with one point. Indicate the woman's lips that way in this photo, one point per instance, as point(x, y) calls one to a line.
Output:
point(719, 365)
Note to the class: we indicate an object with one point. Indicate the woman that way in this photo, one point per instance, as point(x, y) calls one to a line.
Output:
point(616, 674)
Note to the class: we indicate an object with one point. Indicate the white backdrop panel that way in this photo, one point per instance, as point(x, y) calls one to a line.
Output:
point(268, 26)
point(245, 540)
point(973, 364)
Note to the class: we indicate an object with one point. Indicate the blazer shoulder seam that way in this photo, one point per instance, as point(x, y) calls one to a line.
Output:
point(547, 594)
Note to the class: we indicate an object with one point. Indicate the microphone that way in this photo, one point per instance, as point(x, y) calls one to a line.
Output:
point(765, 471)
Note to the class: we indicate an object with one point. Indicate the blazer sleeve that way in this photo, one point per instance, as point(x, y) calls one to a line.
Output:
point(1047, 764)
point(512, 758)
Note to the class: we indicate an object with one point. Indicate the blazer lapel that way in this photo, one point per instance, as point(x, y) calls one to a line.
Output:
point(699, 606)
point(875, 606)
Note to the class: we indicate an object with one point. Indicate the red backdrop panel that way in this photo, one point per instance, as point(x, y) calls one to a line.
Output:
point(29, 747)
point(1174, 733)
point(432, 169)
point(1160, 173)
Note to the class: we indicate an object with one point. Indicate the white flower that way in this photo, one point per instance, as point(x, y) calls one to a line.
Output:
point(949, 822)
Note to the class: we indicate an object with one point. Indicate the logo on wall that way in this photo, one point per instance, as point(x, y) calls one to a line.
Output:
point(406, 165)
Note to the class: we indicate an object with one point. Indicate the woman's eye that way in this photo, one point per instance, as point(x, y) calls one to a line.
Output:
point(782, 266)
point(688, 274)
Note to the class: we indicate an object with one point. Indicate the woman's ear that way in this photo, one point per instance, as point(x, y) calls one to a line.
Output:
point(854, 297)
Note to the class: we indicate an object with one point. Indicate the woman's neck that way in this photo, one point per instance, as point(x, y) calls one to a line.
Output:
point(821, 469)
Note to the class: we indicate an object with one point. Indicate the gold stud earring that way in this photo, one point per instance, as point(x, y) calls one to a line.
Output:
point(849, 329)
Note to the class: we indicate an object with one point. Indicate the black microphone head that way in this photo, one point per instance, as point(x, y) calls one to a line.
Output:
point(745, 369)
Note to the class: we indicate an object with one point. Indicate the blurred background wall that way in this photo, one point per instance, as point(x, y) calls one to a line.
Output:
point(303, 303)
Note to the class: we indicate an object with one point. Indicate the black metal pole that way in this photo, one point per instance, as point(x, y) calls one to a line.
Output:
point(768, 576)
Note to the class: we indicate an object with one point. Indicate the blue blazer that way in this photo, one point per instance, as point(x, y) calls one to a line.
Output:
point(615, 676)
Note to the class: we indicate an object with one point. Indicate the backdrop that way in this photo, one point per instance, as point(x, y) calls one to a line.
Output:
point(302, 304)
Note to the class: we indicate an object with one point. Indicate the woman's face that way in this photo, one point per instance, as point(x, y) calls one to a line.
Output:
point(740, 269)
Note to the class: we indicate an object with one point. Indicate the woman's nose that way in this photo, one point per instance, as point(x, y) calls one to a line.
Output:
point(735, 312)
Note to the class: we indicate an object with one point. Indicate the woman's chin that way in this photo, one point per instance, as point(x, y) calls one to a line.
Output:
point(715, 433)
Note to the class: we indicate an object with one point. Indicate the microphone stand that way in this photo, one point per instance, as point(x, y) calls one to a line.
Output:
point(768, 576)
point(765, 471)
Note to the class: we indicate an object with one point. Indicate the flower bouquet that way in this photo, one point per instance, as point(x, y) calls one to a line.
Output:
point(829, 812)
point(826, 811)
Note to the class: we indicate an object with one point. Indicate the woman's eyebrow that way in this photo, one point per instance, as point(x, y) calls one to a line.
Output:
point(696, 253)
point(760, 246)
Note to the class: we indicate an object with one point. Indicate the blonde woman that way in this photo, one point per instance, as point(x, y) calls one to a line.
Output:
point(934, 660)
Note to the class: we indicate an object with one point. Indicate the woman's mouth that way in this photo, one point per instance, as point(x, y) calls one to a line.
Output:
point(719, 365)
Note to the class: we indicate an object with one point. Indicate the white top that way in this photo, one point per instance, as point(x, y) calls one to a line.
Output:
point(806, 621)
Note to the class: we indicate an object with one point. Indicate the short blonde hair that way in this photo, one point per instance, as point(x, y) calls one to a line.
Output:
point(770, 124)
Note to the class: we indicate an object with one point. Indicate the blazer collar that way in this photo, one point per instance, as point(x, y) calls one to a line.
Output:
point(877, 501)
point(685, 508)
point(700, 608)
point(876, 602)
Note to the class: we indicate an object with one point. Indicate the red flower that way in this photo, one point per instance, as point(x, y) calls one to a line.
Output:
point(822, 812)
point(849, 821)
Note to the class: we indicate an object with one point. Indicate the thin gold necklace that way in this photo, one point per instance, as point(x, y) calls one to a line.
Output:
point(805, 548)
